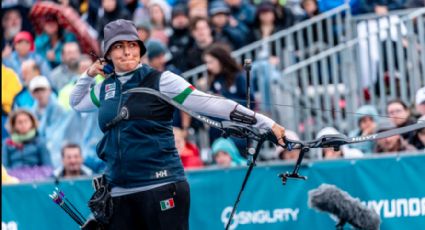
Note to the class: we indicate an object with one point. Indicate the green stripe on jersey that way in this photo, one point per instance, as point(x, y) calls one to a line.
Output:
point(94, 98)
point(183, 95)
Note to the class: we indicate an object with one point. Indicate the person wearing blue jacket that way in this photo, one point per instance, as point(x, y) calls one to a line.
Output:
point(226, 154)
point(222, 30)
point(23, 44)
point(25, 148)
point(149, 189)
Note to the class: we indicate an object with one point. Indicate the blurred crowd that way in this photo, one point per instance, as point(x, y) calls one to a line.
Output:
point(44, 51)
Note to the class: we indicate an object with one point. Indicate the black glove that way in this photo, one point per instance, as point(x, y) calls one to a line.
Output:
point(101, 205)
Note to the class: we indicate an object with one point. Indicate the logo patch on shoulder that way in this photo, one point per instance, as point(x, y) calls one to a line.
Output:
point(110, 87)
point(110, 91)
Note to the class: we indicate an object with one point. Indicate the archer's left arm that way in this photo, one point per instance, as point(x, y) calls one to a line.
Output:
point(184, 93)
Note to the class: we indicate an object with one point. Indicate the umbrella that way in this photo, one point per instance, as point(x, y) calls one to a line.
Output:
point(68, 19)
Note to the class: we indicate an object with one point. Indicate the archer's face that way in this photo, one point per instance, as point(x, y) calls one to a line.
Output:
point(125, 55)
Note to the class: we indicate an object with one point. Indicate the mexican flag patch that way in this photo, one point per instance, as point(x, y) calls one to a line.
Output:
point(167, 204)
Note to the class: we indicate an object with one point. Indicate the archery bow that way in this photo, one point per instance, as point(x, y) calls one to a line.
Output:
point(241, 130)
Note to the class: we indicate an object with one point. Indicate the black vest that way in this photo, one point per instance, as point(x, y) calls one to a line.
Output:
point(139, 151)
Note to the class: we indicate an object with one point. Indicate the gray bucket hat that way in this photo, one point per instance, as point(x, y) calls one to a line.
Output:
point(121, 30)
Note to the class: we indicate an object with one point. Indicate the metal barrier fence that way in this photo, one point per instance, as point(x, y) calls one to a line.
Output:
point(384, 61)
point(391, 56)
point(334, 63)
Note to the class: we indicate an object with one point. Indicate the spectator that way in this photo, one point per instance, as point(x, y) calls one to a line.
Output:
point(72, 163)
point(14, 20)
point(226, 79)
point(49, 43)
point(180, 40)
point(242, 12)
point(141, 14)
point(46, 108)
point(265, 23)
point(68, 69)
point(285, 154)
point(23, 44)
point(342, 152)
point(420, 101)
point(310, 8)
point(201, 33)
point(285, 16)
point(10, 87)
point(198, 8)
point(226, 154)
point(367, 120)
point(25, 148)
point(29, 71)
point(144, 30)
point(189, 153)
point(222, 30)
point(112, 10)
point(394, 143)
point(400, 115)
point(159, 12)
point(11, 24)
point(158, 56)
point(418, 141)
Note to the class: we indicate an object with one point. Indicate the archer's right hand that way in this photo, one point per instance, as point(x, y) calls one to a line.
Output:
point(96, 68)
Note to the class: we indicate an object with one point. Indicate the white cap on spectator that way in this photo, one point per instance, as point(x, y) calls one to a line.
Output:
point(327, 131)
point(348, 152)
point(420, 96)
point(39, 82)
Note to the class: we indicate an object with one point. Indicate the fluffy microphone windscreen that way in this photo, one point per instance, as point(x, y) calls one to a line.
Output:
point(328, 198)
